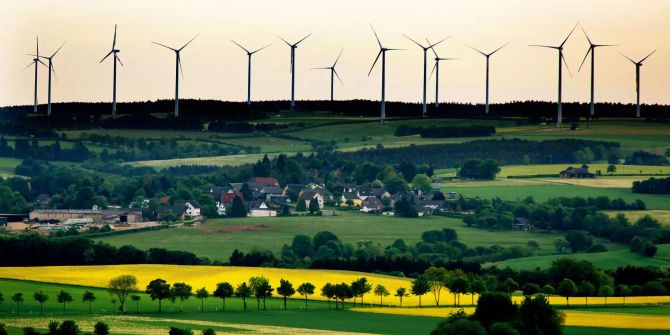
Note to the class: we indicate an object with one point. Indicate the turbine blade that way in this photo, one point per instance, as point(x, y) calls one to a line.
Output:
point(285, 41)
point(243, 48)
point(442, 40)
point(605, 45)
point(114, 40)
point(338, 77)
point(585, 56)
point(632, 61)
point(571, 31)
point(375, 62)
point(433, 70)
point(391, 49)
point(181, 70)
point(448, 58)
point(415, 42)
point(645, 58)
point(496, 50)
point(53, 69)
point(433, 49)
point(475, 49)
point(103, 58)
point(304, 38)
point(585, 34)
point(543, 46)
point(38, 45)
point(57, 50)
point(377, 37)
point(566, 65)
point(189, 42)
point(338, 57)
point(164, 46)
point(119, 59)
point(322, 68)
point(29, 65)
point(257, 50)
point(41, 62)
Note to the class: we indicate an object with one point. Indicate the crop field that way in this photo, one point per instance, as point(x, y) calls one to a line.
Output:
point(217, 239)
point(7, 166)
point(230, 160)
point(662, 216)
point(606, 260)
point(535, 169)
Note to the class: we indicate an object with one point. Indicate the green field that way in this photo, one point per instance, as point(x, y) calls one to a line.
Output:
point(605, 260)
point(7, 166)
point(525, 170)
point(218, 238)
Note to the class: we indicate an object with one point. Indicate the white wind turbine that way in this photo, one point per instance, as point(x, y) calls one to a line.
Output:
point(382, 53)
point(436, 70)
point(249, 54)
point(333, 74)
point(592, 51)
point(51, 69)
point(292, 69)
point(35, 61)
point(638, 65)
point(114, 51)
point(488, 59)
point(177, 70)
point(561, 60)
point(425, 48)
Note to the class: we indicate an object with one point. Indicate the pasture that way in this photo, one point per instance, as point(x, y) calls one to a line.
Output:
point(7, 166)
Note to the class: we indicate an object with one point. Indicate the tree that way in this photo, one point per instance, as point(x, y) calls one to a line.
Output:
point(586, 289)
point(605, 291)
point(423, 183)
point(359, 288)
point(538, 317)
point(611, 168)
point(243, 291)
point(63, 297)
point(302, 246)
point(90, 298)
point(208, 331)
point(18, 299)
point(458, 284)
point(561, 245)
point(238, 209)
point(202, 294)
point(494, 307)
point(181, 291)
point(328, 291)
point(136, 298)
point(301, 205)
point(436, 277)
point(343, 292)
point(567, 288)
point(261, 288)
point(100, 328)
point(285, 289)
point(381, 291)
point(477, 286)
point(510, 285)
point(314, 206)
point(307, 289)
point(459, 327)
point(548, 290)
point(41, 298)
point(159, 289)
point(624, 291)
point(578, 240)
point(223, 290)
point(420, 286)
point(121, 287)
point(401, 292)
point(530, 289)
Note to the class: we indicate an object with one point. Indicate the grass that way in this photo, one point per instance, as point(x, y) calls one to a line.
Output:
point(230, 160)
point(218, 238)
point(606, 260)
point(525, 170)
point(7, 166)
point(662, 216)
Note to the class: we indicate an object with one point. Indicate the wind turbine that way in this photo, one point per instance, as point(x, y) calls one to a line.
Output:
point(114, 51)
point(592, 51)
point(51, 69)
point(436, 69)
point(488, 59)
point(249, 54)
point(177, 70)
point(35, 61)
point(637, 79)
point(382, 53)
point(333, 74)
point(561, 60)
point(293, 47)
point(424, 112)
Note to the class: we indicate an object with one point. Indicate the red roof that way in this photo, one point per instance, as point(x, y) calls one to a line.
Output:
point(266, 180)
point(228, 197)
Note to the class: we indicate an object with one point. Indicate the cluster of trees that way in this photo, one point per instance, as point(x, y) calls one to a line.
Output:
point(63, 297)
point(32, 249)
point(652, 186)
point(444, 132)
point(504, 151)
point(575, 216)
point(246, 127)
point(479, 169)
point(645, 158)
point(24, 148)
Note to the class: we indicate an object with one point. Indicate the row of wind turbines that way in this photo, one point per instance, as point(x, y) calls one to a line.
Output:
point(37, 60)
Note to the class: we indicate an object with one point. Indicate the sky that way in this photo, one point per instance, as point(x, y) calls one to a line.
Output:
point(215, 68)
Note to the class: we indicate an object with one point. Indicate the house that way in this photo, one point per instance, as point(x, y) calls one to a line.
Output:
point(192, 209)
point(377, 192)
point(429, 206)
point(268, 192)
point(43, 200)
point(372, 205)
point(309, 195)
point(295, 188)
point(220, 208)
point(572, 172)
point(261, 209)
point(353, 196)
point(522, 223)
point(263, 181)
point(345, 187)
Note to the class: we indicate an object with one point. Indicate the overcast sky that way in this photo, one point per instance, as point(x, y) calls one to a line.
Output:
point(214, 68)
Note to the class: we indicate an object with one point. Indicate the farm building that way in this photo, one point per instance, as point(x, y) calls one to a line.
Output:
point(576, 173)
point(95, 215)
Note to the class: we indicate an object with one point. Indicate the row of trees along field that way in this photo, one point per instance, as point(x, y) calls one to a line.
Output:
point(70, 327)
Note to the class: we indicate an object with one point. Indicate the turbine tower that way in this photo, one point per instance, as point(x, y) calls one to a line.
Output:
point(249, 54)
point(561, 60)
point(424, 112)
point(592, 51)
point(488, 59)
point(177, 70)
point(114, 51)
point(51, 69)
point(333, 74)
point(293, 47)
point(35, 61)
point(638, 65)
point(382, 53)
point(436, 70)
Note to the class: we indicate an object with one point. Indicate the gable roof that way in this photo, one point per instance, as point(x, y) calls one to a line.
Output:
point(265, 181)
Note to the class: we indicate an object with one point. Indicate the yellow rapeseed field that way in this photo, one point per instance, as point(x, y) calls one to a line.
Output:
point(572, 318)
point(209, 276)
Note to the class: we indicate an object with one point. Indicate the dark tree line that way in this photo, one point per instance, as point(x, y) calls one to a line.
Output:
point(445, 132)
point(652, 186)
